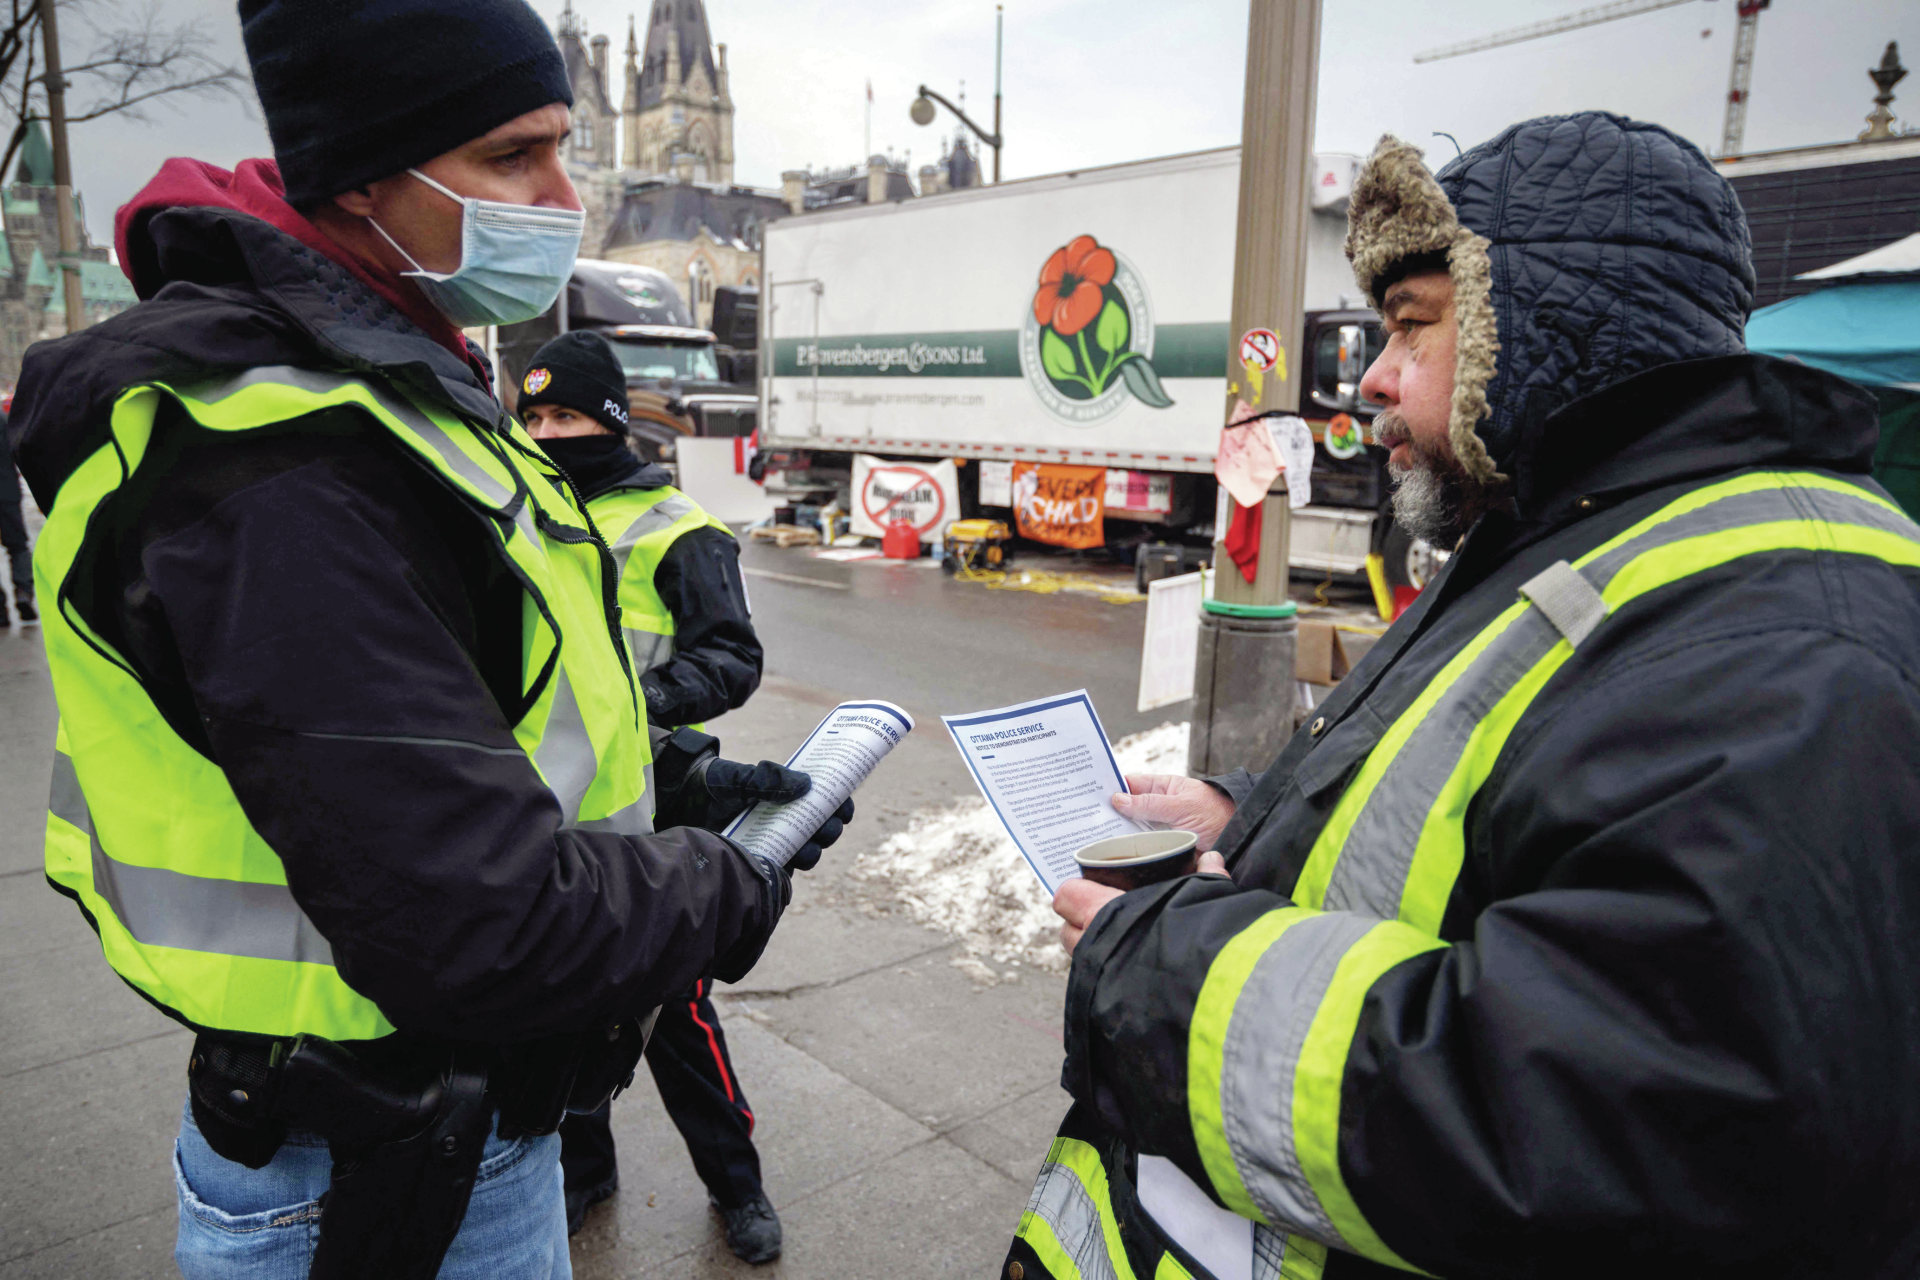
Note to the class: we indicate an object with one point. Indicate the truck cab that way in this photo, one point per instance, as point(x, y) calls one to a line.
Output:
point(676, 387)
point(1351, 514)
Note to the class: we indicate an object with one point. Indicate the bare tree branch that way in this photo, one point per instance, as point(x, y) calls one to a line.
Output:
point(135, 59)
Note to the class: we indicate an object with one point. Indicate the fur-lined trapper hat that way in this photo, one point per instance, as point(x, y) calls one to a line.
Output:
point(1583, 249)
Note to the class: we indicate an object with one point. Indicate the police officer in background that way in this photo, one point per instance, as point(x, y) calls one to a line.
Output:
point(352, 776)
point(683, 608)
point(13, 533)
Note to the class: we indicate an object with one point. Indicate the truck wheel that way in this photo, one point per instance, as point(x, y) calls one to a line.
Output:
point(1411, 562)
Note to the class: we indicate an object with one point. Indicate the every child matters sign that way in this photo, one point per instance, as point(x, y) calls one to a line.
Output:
point(1059, 504)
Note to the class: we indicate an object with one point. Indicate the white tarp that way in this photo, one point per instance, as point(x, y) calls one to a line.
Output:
point(1901, 255)
point(926, 493)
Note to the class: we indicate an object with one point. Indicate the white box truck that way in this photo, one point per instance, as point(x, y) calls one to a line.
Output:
point(1077, 318)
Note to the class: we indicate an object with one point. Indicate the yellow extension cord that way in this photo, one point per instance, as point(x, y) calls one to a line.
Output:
point(1046, 582)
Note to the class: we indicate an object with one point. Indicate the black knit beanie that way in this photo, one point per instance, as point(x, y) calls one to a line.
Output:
point(358, 90)
point(578, 370)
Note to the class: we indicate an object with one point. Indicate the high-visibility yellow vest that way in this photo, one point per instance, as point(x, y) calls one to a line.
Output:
point(145, 833)
point(1283, 998)
point(639, 525)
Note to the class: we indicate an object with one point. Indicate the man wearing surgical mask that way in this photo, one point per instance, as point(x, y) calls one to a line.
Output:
point(353, 776)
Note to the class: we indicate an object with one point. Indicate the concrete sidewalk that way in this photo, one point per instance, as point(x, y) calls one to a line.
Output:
point(902, 1111)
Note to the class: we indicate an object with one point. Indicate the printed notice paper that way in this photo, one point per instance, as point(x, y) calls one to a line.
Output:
point(839, 754)
point(1048, 772)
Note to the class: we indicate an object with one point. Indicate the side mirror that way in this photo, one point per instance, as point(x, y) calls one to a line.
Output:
point(1352, 365)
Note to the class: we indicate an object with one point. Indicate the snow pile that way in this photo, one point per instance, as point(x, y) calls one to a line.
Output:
point(954, 868)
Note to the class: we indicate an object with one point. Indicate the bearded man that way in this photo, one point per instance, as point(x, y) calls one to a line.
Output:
point(1577, 935)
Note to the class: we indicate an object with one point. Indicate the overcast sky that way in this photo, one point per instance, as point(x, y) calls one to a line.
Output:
point(1091, 82)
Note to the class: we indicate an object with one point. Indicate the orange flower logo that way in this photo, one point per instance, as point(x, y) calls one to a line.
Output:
point(1083, 343)
point(1072, 286)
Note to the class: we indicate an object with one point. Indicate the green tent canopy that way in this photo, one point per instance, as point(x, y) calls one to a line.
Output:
point(1865, 326)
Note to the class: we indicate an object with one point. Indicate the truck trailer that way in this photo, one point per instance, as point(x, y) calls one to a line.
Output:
point(961, 325)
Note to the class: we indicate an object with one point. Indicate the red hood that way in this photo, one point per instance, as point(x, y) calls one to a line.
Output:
point(254, 188)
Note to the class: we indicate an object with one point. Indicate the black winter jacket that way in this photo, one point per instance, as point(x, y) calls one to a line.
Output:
point(717, 657)
point(1674, 1032)
point(314, 611)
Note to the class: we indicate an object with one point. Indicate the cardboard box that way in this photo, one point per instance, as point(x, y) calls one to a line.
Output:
point(1319, 655)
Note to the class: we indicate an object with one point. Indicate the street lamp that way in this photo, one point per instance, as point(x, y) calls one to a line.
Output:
point(922, 110)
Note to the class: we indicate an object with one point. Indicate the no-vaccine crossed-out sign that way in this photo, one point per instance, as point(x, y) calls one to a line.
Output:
point(927, 494)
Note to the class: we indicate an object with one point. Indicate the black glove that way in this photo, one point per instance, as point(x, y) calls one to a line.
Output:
point(807, 857)
point(730, 786)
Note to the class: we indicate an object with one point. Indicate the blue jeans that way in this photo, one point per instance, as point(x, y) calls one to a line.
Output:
point(262, 1224)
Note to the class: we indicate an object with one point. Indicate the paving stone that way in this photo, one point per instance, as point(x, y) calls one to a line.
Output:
point(812, 1127)
point(138, 1249)
point(65, 1001)
point(928, 1213)
point(925, 1038)
point(1014, 1136)
point(90, 1145)
point(26, 748)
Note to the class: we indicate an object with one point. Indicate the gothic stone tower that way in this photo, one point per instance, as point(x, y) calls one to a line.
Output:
point(594, 117)
point(678, 112)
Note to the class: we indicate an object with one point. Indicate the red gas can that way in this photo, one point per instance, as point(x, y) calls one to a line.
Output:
point(901, 540)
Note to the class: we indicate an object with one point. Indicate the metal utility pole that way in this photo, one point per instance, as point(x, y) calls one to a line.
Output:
point(1737, 86)
point(922, 112)
point(999, 21)
point(1247, 635)
point(62, 172)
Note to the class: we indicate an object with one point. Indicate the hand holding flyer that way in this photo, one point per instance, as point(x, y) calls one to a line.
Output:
point(1049, 773)
point(839, 754)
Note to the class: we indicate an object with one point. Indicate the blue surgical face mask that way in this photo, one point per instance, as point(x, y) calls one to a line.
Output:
point(514, 260)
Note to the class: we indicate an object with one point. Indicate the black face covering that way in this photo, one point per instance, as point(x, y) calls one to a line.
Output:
point(592, 462)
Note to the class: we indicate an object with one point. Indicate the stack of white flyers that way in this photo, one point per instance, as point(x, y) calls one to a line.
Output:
point(1049, 773)
point(840, 752)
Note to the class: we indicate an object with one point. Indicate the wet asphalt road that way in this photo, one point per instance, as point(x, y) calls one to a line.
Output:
point(905, 632)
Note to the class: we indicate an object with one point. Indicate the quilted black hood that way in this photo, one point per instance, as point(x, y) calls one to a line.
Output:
point(1585, 249)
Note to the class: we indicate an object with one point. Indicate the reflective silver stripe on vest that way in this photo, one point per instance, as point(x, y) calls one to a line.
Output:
point(162, 908)
point(1264, 1037)
point(650, 649)
point(634, 820)
point(660, 516)
point(1370, 875)
point(65, 798)
point(1568, 600)
point(1060, 1201)
point(1269, 1251)
point(565, 754)
point(403, 410)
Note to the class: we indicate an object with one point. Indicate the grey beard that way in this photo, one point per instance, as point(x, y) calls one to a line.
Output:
point(1431, 505)
point(1434, 499)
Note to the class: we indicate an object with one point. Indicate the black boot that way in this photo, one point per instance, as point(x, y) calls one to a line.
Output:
point(753, 1229)
point(23, 605)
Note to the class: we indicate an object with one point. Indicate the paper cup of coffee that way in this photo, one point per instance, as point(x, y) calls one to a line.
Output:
point(1144, 858)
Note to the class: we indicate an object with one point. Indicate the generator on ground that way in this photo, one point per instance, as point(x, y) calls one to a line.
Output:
point(975, 545)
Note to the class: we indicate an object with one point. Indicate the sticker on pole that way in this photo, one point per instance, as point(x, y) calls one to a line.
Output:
point(926, 495)
point(1260, 348)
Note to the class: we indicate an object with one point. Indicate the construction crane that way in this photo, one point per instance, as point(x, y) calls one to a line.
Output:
point(1737, 88)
